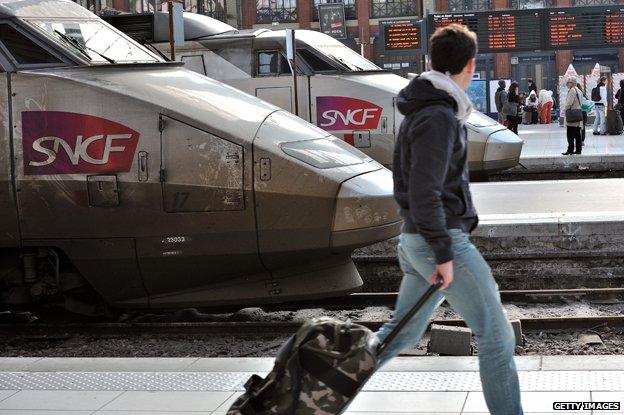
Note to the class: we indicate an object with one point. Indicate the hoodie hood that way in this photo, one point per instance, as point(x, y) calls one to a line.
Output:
point(434, 88)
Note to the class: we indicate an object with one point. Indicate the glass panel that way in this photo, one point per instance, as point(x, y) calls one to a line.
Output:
point(393, 8)
point(24, 50)
point(278, 11)
point(99, 43)
point(531, 4)
point(314, 62)
point(336, 50)
point(469, 5)
point(267, 63)
point(324, 153)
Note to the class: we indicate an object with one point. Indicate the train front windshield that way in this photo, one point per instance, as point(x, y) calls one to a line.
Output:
point(328, 46)
point(96, 41)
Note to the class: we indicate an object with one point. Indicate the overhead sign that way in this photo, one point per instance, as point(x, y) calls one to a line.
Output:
point(56, 142)
point(523, 30)
point(332, 20)
point(504, 31)
point(403, 35)
point(588, 27)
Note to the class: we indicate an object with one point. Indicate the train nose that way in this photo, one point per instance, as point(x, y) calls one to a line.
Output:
point(502, 151)
point(366, 211)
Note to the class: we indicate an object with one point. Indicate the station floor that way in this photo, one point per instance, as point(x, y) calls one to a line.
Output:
point(549, 140)
point(185, 386)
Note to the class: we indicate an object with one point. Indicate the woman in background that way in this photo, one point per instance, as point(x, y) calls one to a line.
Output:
point(545, 102)
point(573, 102)
point(513, 105)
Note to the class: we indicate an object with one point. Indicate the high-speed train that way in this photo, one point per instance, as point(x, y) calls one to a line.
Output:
point(136, 181)
point(338, 90)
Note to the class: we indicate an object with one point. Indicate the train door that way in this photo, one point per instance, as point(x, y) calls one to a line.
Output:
point(541, 69)
point(207, 226)
point(68, 185)
point(9, 237)
point(274, 83)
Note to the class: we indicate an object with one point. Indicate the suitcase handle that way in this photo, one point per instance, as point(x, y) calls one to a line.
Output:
point(395, 332)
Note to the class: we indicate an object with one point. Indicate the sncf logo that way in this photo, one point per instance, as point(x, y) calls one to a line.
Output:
point(57, 142)
point(341, 113)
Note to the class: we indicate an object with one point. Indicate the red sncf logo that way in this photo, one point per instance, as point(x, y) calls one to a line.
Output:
point(342, 113)
point(56, 142)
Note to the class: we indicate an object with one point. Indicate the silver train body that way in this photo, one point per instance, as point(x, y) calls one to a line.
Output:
point(338, 90)
point(151, 186)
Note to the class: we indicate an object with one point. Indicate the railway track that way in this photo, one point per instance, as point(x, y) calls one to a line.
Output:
point(365, 299)
point(56, 332)
point(516, 271)
point(553, 175)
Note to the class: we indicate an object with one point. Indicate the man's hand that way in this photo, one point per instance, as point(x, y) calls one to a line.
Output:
point(445, 271)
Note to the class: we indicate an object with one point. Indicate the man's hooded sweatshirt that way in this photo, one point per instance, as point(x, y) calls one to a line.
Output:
point(430, 167)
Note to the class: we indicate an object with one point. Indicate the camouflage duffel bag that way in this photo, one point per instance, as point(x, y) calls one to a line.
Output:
point(317, 371)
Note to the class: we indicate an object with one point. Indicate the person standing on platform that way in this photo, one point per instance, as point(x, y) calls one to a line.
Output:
point(620, 98)
point(500, 98)
point(530, 105)
point(573, 102)
point(430, 173)
point(545, 103)
point(512, 107)
point(599, 96)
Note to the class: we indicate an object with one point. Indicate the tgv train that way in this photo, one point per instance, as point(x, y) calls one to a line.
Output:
point(134, 180)
point(338, 90)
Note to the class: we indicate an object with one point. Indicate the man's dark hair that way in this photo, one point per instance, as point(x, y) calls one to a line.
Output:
point(451, 48)
point(502, 83)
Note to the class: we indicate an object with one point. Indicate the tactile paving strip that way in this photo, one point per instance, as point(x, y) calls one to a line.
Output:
point(230, 381)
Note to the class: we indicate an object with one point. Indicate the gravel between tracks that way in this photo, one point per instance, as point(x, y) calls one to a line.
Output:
point(537, 343)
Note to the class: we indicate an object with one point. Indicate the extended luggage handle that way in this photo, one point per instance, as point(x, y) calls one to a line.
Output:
point(395, 332)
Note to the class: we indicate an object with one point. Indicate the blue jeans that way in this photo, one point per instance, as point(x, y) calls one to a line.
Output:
point(474, 295)
point(600, 123)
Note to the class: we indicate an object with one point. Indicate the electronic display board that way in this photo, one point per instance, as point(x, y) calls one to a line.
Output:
point(498, 31)
point(403, 35)
point(585, 27)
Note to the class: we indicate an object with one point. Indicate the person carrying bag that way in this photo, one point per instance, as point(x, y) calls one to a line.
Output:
point(573, 117)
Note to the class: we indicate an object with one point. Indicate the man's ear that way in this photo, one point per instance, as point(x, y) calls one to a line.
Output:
point(471, 66)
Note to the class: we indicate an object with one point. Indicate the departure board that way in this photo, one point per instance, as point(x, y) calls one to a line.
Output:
point(541, 29)
point(402, 35)
point(585, 27)
point(516, 30)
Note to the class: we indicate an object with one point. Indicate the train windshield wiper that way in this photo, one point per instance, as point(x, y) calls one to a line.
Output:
point(82, 49)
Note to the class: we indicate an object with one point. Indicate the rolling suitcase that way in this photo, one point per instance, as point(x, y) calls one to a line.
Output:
point(614, 122)
point(320, 369)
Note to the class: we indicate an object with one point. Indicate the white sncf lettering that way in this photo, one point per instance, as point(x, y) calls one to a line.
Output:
point(80, 152)
point(352, 117)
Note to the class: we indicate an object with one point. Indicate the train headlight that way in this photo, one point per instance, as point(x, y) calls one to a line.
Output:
point(366, 201)
point(324, 153)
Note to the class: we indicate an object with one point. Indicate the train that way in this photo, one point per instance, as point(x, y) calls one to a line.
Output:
point(129, 182)
point(338, 89)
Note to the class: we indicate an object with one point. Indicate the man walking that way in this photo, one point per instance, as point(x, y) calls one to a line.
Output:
point(500, 97)
point(431, 188)
point(599, 96)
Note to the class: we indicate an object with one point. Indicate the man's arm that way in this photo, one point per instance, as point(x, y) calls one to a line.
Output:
point(431, 146)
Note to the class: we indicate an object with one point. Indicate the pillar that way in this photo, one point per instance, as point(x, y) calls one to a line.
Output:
point(363, 8)
point(502, 60)
point(441, 5)
point(248, 11)
point(563, 58)
point(304, 13)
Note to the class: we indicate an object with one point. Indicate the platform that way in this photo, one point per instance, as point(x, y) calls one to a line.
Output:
point(543, 145)
point(177, 386)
